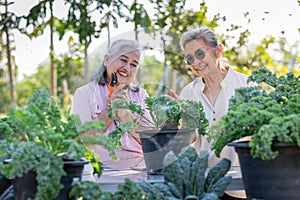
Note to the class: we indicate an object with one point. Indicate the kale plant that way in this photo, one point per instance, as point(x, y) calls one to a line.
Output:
point(186, 177)
point(268, 114)
point(163, 112)
point(37, 138)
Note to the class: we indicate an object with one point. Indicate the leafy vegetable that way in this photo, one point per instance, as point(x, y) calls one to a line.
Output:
point(267, 114)
point(185, 177)
point(163, 111)
point(37, 137)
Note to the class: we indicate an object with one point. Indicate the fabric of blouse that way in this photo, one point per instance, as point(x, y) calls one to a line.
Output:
point(88, 102)
point(194, 91)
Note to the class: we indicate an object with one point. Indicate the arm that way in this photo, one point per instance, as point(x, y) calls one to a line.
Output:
point(82, 105)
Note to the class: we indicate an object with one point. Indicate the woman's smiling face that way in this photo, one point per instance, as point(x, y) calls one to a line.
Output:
point(200, 57)
point(125, 64)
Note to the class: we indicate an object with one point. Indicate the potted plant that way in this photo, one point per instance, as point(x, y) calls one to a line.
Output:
point(186, 176)
point(269, 115)
point(41, 145)
point(169, 129)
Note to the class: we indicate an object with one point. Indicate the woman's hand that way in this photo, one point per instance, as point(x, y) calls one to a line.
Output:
point(120, 93)
point(173, 94)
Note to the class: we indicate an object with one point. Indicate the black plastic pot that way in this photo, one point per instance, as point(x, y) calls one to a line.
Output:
point(157, 143)
point(4, 183)
point(273, 179)
point(25, 187)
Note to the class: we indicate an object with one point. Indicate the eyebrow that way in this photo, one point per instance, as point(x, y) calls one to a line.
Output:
point(128, 58)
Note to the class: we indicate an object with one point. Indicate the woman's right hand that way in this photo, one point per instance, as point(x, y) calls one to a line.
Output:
point(173, 94)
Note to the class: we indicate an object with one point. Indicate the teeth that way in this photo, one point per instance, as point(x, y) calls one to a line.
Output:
point(200, 67)
point(123, 74)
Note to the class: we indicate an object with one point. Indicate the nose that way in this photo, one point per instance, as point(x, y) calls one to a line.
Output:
point(127, 66)
point(197, 61)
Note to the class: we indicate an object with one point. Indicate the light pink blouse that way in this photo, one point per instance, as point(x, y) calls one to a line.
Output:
point(89, 101)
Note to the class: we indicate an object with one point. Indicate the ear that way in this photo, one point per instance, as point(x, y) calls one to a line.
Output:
point(219, 50)
point(105, 61)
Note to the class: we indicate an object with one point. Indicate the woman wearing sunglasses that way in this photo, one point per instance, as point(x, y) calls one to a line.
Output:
point(215, 82)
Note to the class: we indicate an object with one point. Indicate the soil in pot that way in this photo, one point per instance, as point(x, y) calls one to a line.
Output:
point(272, 179)
point(157, 143)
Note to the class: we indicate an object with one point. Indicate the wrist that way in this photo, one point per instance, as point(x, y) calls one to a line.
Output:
point(122, 114)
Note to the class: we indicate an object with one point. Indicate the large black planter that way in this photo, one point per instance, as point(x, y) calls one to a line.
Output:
point(157, 143)
point(25, 187)
point(4, 183)
point(273, 179)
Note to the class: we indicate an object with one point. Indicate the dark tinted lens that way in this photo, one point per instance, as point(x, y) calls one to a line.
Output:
point(200, 54)
point(189, 59)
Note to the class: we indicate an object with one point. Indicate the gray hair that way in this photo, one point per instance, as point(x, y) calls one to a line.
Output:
point(116, 46)
point(204, 33)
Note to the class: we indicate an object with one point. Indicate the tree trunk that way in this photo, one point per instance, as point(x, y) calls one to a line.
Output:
point(139, 72)
point(10, 69)
point(53, 72)
point(86, 62)
point(108, 37)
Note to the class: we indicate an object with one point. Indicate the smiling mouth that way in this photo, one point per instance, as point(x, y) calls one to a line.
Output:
point(124, 74)
point(199, 68)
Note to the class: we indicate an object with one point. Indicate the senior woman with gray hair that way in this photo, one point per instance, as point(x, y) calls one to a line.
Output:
point(114, 80)
point(215, 83)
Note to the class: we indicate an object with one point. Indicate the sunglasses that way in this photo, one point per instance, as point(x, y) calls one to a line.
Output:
point(199, 54)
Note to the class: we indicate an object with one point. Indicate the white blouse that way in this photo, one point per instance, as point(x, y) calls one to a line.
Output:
point(194, 91)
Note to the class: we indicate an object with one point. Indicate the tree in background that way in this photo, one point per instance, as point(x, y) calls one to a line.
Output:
point(80, 21)
point(40, 16)
point(141, 20)
point(8, 21)
point(170, 21)
point(69, 71)
point(171, 18)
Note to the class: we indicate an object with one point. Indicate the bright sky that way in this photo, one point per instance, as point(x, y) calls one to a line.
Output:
point(283, 15)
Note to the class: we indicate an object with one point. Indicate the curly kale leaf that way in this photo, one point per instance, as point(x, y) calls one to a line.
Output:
point(123, 104)
point(245, 120)
point(28, 156)
point(284, 86)
point(293, 104)
point(88, 190)
point(193, 116)
point(282, 129)
point(243, 95)
point(5, 130)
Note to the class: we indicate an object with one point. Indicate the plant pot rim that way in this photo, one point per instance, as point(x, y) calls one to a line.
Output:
point(75, 162)
point(161, 131)
point(65, 161)
point(245, 144)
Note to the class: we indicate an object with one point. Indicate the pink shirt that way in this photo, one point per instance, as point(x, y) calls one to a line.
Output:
point(89, 101)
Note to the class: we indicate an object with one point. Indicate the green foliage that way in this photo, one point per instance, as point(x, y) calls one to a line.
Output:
point(88, 190)
point(266, 116)
point(129, 190)
point(185, 177)
point(37, 139)
point(171, 19)
point(26, 157)
point(163, 112)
